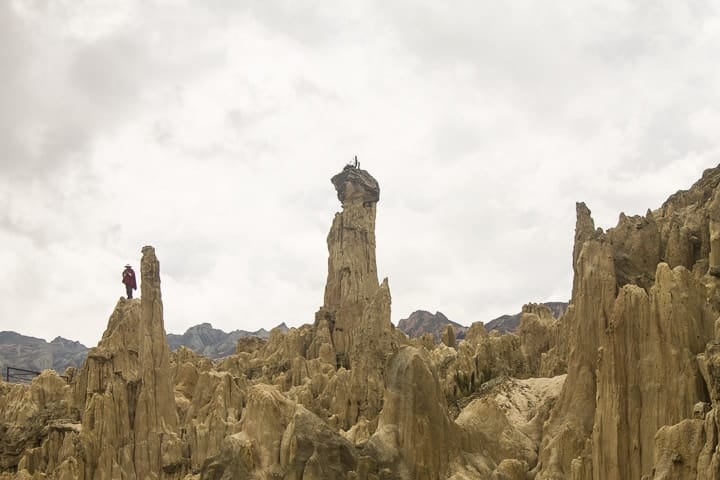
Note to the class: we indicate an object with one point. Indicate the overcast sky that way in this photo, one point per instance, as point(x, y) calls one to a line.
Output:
point(210, 130)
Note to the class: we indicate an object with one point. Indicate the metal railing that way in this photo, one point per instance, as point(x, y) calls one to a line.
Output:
point(19, 375)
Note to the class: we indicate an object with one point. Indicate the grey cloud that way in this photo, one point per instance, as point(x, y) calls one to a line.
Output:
point(107, 76)
point(61, 91)
point(541, 58)
point(669, 136)
point(189, 259)
point(315, 25)
point(454, 138)
point(47, 122)
point(481, 122)
point(305, 87)
point(243, 120)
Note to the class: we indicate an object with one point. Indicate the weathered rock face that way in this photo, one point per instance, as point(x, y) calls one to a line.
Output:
point(353, 326)
point(483, 357)
point(594, 284)
point(506, 422)
point(130, 424)
point(352, 270)
point(420, 322)
point(209, 404)
point(349, 397)
point(643, 307)
point(509, 323)
point(31, 415)
point(671, 319)
point(354, 184)
point(415, 433)
point(337, 399)
point(677, 449)
point(118, 418)
point(538, 333)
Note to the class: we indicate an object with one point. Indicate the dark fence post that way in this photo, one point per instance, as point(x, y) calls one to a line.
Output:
point(21, 375)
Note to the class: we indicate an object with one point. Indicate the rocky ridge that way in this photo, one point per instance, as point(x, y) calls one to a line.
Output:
point(421, 322)
point(37, 354)
point(213, 342)
point(31, 353)
point(623, 385)
point(508, 323)
point(638, 336)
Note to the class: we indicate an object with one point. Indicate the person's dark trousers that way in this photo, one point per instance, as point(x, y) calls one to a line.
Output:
point(128, 289)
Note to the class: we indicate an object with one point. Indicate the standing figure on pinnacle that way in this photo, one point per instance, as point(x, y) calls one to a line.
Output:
point(128, 278)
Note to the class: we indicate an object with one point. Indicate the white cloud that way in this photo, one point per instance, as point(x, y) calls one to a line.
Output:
point(210, 130)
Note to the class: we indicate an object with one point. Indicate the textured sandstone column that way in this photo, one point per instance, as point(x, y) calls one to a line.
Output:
point(415, 433)
point(125, 391)
point(352, 270)
point(647, 372)
point(714, 214)
point(353, 329)
point(569, 428)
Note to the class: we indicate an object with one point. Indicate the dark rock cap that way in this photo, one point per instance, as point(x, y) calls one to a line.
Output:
point(361, 185)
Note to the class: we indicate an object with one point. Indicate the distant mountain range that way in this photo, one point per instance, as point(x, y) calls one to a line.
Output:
point(211, 342)
point(421, 321)
point(508, 323)
point(32, 353)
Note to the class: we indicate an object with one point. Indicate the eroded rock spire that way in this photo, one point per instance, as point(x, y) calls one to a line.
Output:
point(125, 391)
point(352, 270)
point(353, 328)
point(352, 279)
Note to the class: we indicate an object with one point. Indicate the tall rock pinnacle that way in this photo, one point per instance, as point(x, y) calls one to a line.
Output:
point(125, 391)
point(352, 270)
point(353, 329)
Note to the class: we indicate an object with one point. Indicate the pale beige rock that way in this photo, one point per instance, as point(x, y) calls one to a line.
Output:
point(352, 270)
point(214, 413)
point(639, 236)
point(346, 397)
point(28, 415)
point(708, 461)
point(359, 433)
point(264, 421)
point(651, 335)
point(311, 449)
point(714, 228)
point(118, 419)
point(448, 336)
point(186, 368)
point(130, 423)
point(506, 422)
point(537, 332)
point(475, 333)
point(510, 469)
point(415, 433)
point(371, 343)
point(676, 451)
point(594, 288)
point(353, 327)
point(664, 314)
point(236, 460)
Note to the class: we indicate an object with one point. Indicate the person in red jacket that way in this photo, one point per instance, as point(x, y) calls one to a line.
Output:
point(128, 278)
